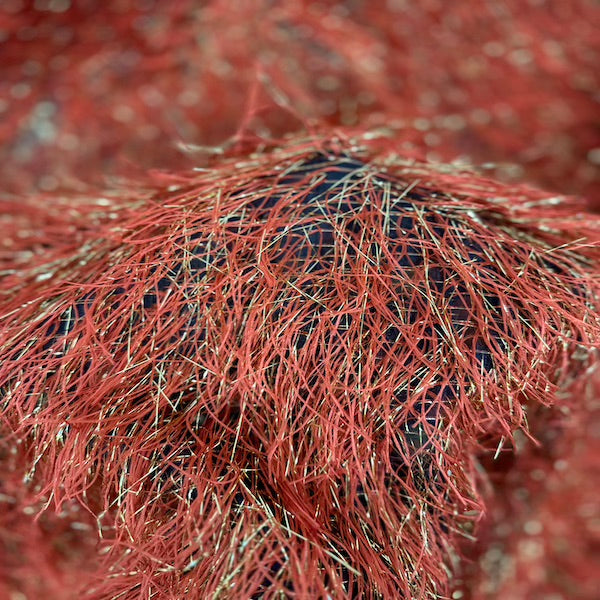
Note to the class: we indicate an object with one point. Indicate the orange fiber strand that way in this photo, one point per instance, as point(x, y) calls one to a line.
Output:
point(272, 376)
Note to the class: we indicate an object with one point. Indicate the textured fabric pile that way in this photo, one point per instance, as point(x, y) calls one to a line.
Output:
point(306, 359)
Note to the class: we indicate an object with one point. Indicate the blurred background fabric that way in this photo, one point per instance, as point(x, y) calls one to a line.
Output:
point(89, 88)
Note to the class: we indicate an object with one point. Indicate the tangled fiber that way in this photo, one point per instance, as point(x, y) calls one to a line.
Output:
point(318, 371)
point(271, 377)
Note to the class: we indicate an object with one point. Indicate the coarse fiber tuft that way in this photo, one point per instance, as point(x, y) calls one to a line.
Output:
point(275, 373)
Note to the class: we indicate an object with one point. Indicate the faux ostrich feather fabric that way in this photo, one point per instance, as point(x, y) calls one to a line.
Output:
point(295, 365)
